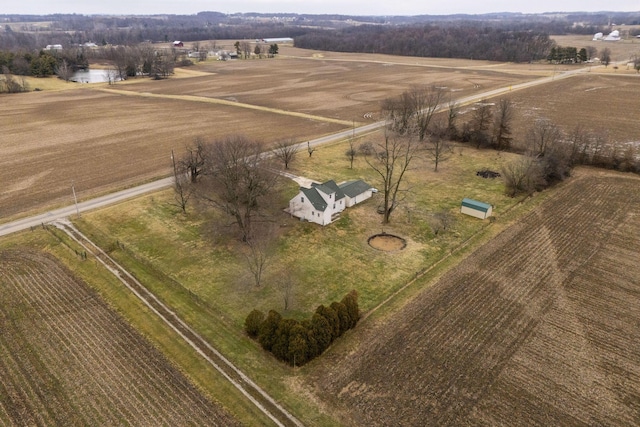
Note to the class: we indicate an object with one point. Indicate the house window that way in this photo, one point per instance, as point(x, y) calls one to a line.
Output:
point(330, 195)
point(302, 199)
point(334, 206)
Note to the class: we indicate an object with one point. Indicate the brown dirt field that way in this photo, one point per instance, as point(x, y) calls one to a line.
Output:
point(595, 101)
point(68, 359)
point(102, 140)
point(538, 327)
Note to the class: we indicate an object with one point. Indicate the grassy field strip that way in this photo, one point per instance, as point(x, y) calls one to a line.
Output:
point(244, 384)
point(228, 103)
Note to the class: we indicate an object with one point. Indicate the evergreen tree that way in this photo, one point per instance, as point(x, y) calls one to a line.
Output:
point(351, 302)
point(253, 322)
point(267, 334)
point(343, 316)
point(333, 319)
point(298, 345)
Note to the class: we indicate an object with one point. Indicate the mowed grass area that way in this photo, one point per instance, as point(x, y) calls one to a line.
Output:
point(325, 262)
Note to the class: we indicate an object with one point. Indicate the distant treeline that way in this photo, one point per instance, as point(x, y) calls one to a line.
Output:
point(464, 41)
point(25, 32)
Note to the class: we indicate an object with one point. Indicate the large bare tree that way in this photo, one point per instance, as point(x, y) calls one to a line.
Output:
point(523, 175)
point(543, 135)
point(425, 103)
point(480, 122)
point(194, 161)
point(390, 161)
point(438, 147)
point(238, 181)
point(502, 125)
point(286, 151)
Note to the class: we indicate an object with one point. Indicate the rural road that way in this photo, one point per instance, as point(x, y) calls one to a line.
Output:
point(109, 199)
point(37, 220)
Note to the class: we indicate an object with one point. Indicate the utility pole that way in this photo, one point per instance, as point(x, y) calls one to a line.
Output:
point(75, 199)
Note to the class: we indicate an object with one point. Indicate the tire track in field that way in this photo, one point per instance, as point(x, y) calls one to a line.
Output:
point(265, 403)
point(193, 98)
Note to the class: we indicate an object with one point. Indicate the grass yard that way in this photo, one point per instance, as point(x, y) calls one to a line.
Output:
point(324, 262)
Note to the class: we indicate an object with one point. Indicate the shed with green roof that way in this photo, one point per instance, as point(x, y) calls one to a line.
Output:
point(475, 208)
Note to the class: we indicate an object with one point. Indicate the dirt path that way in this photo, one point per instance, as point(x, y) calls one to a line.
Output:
point(226, 102)
point(279, 415)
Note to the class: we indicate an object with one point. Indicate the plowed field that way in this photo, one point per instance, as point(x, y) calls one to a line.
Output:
point(67, 359)
point(539, 327)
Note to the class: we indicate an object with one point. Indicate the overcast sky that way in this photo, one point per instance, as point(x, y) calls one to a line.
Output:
point(344, 7)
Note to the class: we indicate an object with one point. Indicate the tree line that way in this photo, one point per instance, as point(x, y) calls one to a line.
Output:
point(295, 342)
point(437, 41)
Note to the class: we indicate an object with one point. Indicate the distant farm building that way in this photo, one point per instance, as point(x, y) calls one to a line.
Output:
point(322, 203)
point(178, 43)
point(278, 40)
point(475, 208)
point(53, 47)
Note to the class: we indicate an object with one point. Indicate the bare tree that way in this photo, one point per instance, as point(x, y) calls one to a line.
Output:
point(286, 151)
point(502, 125)
point(399, 112)
point(351, 151)
point(523, 175)
point(441, 221)
point(310, 149)
point(480, 122)
point(541, 136)
point(286, 284)
point(181, 186)
point(238, 181)
point(258, 252)
point(194, 161)
point(605, 56)
point(452, 116)
point(425, 103)
point(64, 71)
point(438, 146)
point(246, 49)
point(580, 145)
point(390, 162)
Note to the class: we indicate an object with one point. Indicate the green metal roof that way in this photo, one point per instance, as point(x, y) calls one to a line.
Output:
point(315, 198)
point(474, 204)
point(354, 188)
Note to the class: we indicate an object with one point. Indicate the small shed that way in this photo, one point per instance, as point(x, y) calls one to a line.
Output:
point(475, 208)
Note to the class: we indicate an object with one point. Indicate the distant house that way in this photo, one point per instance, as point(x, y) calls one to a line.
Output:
point(475, 208)
point(178, 43)
point(53, 47)
point(322, 203)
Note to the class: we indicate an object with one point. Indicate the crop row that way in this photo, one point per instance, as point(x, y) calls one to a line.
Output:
point(538, 327)
point(95, 358)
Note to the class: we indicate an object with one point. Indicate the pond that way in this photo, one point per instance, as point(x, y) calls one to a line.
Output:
point(92, 76)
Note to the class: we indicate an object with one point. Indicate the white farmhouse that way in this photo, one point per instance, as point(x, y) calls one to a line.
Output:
point(322, 203)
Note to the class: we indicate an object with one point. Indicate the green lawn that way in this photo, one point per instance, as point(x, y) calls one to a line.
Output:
point(324, 263)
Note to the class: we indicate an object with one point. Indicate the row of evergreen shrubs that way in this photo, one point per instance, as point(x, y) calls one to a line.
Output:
point(298, 342)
